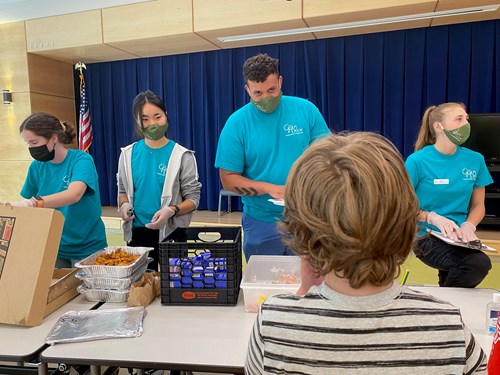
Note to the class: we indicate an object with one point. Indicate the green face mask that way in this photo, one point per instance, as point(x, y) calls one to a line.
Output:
point(268, 104)
point(154, 132)
point(459, 135)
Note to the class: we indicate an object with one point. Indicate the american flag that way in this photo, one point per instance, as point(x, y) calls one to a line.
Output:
point(85, 138)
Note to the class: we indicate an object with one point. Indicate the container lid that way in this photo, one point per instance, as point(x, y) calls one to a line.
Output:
point(496, 297)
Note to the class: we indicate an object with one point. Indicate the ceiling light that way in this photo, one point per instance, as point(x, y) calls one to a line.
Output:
point(349, 25)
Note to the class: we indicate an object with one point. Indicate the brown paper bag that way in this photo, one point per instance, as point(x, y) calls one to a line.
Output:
point(144, 291)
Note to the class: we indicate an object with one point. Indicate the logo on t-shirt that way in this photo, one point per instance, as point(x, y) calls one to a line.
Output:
point(66, 182)
point(292, 130)
point(163, 169)
point(469, 175)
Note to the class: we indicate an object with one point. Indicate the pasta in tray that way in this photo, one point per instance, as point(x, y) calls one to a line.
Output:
point(118, 257)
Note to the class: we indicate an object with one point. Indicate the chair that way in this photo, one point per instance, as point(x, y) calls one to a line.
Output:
point(228, 194)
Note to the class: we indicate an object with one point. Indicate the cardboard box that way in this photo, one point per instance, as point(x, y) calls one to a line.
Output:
point(29, 242)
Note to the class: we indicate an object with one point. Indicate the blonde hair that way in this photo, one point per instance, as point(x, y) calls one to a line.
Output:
point(427, 134)
point(350, 208)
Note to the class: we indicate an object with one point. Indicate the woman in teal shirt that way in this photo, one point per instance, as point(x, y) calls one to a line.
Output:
point(449, 181)
point(66, 180)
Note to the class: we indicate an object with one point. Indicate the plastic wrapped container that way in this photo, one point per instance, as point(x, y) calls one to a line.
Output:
point(92, 270)
point(124, 283)
point(268, 275)
point(187, 280)
point(104, 295)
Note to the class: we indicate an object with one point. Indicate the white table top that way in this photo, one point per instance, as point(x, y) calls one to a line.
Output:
point(198, 338)
point(215, 338)
point(472, 304)
point(18, 343)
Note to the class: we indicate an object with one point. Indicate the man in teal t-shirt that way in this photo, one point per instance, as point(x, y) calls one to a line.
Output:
point(257, 147)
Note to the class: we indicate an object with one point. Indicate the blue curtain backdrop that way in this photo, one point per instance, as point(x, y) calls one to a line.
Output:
point(378, 82)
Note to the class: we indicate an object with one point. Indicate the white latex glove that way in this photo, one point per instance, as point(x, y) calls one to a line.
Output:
point(160, 218)
point(446, 226)
point(23, 203)
point(127, 211)
point(468, 232)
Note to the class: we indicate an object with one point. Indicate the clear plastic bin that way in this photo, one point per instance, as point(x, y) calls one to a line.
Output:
point(268, 275)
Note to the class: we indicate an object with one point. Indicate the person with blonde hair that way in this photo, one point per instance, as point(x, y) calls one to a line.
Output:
point(449, 181)
point(350, 214)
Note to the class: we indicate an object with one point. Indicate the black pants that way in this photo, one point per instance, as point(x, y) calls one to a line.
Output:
point(458, 266)
point(147, 238)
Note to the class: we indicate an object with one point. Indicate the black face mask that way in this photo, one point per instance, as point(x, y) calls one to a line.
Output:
point(42, 153)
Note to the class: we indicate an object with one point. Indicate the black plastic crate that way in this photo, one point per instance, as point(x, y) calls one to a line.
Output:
point(223, 243)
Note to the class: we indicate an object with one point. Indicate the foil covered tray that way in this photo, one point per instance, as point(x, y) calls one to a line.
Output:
point(90, 269)
point(114, 283)
point(75, 326)
point(103, 295)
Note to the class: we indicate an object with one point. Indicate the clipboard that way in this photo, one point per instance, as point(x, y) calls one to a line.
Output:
point(467, 245)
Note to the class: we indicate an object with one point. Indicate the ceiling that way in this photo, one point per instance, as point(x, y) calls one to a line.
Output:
point(21, 10)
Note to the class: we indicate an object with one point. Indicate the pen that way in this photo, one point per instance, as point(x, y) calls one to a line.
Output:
point(405, 277)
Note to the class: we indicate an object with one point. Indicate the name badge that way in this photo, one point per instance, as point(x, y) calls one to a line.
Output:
point(441, 181)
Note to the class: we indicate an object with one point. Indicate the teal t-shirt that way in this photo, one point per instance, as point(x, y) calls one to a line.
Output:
point(263, 147)
point(149, 166)
point(444, 183)
point(83, 232)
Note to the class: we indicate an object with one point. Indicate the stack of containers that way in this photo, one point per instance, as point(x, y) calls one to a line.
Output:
point(103, 283)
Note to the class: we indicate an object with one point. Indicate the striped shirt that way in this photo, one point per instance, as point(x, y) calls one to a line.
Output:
point(397, 331)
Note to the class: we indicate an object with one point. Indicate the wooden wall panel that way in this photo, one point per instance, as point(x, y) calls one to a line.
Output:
point(52, 77)
point(373, 29)
point(455, 4)
point(131, 28)
point(13, 66)
point(12, 175)
point(62, 108)
point(218, 18)
point(325, 12)
point(13, 76)
point(68, 30)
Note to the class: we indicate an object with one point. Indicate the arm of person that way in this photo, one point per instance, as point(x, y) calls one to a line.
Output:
point(189, 184)
point(71, 195)
point(477, 209)
point(254, 363)
point(237, 183)
point(476, 360)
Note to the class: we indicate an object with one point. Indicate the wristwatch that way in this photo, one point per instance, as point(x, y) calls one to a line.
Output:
point(39, 201)
point(176, 209)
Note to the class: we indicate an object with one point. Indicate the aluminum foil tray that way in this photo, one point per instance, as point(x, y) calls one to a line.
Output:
point(103, 295)
point(114, 283)
point(75, 326)
point(90, 269)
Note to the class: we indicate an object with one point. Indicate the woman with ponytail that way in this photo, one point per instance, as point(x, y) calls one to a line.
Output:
point(449, 181)
point(66, 180)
